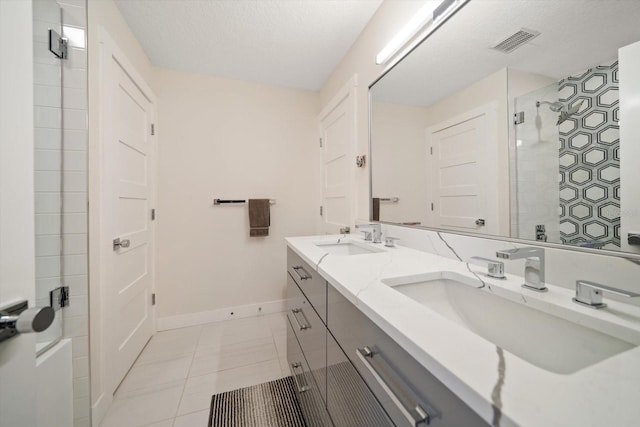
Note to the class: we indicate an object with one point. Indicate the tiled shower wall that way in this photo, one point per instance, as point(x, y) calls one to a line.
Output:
point(72, 162)
point(589, 159)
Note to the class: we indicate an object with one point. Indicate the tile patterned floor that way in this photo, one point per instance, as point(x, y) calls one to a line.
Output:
point(171, 383)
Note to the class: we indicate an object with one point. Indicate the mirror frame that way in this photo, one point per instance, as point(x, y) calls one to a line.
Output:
point(411, 46)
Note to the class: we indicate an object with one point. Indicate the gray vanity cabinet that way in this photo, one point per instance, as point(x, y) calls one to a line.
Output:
point(409, 393)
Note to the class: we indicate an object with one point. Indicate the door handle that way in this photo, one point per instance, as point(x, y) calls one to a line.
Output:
point(117, 243)
point(19, 319)
point(301, 326)
point(304, 275)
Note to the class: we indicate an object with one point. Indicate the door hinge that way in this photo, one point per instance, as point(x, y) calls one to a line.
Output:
point(321, 210)
point(518, 118)
point(431, 206)
point(153, 299)
point(153, 129)
point(153, 214)
point(320, 142)
point(59, 297)
point(58, 45)
point(431, 150)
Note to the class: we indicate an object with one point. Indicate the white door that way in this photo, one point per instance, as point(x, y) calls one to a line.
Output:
point(338, 138)
point(17, 265)
point(463, 167)
point(128, 175)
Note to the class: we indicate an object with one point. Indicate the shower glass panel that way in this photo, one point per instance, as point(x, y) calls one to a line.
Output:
point(567, 161)
point(48, 180)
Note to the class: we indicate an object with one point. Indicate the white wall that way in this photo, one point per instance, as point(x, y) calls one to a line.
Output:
point(360, 60)
point(223, 138)
point(399, 159)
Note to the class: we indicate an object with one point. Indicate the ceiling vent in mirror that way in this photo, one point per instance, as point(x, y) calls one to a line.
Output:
point(515, 40)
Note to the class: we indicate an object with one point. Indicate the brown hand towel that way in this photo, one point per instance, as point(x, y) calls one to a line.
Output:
point(375, 215)
point(259, 217)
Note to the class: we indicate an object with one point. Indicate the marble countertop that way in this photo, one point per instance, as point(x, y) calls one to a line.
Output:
point(503, 388)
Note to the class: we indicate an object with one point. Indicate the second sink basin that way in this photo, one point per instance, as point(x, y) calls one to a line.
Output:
point(347, 247)
point(542, 339)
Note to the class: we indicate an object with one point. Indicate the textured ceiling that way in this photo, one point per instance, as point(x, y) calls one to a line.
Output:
point(575, 35)
point(292, 43)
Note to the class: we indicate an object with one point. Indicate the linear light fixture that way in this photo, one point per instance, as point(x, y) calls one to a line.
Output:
point(423, 23)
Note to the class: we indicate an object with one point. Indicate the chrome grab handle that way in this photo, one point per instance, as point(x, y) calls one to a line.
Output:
point(306, 324)
point(590, 293)
point(413, 411)
point(294, 366)
point(304, 276)
point(117, 243)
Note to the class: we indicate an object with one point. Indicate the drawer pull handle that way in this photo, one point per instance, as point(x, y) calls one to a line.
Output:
point(294, 366)
point(410, 408)
point(304, 275)
point(301, 326)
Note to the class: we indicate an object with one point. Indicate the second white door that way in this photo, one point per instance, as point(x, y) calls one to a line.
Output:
point(128, 183)
point(463, 165)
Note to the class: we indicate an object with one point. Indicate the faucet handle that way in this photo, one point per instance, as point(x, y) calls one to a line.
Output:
point(367, 235)
point(590, 293)
point(494, 268)
point(390, 242)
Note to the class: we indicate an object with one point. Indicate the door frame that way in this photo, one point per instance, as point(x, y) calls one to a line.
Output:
point(347, 93)
point(488, 156)
point(100, 221)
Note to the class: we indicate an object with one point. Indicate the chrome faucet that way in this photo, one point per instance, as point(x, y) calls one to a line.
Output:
point(590, 293)
point(376, 231)
point(533, 267)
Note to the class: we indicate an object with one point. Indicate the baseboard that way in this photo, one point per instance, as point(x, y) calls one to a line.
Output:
point(202, 317)
point(99, 409)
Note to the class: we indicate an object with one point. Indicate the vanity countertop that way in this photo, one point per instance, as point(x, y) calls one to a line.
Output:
point(503, 388)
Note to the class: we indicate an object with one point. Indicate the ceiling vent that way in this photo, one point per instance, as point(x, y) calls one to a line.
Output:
point(515, 40)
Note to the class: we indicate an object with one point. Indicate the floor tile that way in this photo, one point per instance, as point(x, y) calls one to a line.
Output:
point(198, 391)
point(145, 406)
point(169, 343)
point(157, 372)
point(280, 341)
point(220, 334)
point(233, 355)
point(195, 419)
point(284, 367)
point(165, 423)
point(277, 322)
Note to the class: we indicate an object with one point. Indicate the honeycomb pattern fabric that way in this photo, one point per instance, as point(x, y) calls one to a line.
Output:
point(589, 159)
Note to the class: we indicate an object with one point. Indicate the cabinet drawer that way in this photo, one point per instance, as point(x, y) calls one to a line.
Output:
point(407, 390)
point(310, 332)
point(310, 282)
point(307, 391)
point(349, 401)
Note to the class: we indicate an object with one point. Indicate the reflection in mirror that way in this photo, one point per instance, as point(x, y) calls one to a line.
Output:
point(508, 121)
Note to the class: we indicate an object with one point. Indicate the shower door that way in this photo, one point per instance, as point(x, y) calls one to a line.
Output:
point(534, 175)
point(48, 163)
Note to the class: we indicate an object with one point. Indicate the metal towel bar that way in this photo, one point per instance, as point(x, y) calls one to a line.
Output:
point(236, 201)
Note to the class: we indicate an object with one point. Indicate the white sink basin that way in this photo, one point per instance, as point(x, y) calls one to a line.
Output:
point(347, 247)
point(544, 340)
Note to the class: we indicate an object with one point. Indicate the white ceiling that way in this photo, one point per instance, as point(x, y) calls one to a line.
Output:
point(575, 35)
point(291, 43)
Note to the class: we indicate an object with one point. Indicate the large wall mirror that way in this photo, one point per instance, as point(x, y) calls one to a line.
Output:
point(516, 119)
